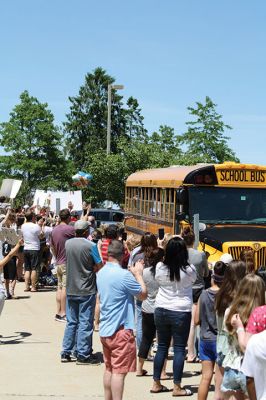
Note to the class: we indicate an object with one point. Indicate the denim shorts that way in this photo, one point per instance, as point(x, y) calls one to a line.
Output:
point(207, 350)
point(220, 359)
point(233, 380)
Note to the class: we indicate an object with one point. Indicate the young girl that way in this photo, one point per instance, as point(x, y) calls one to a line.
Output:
point(205, 316)
point(3, 262)
point(199, 260)
point(250, 294)
point(256, 324)
point(234, 273)
point(148, 306)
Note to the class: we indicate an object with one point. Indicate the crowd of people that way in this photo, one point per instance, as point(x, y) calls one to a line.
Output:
point(143, 294)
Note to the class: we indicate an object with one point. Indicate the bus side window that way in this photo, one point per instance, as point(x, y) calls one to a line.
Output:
point(145, 201)
point(167, 206)
point(162, 203)
point(158, 207)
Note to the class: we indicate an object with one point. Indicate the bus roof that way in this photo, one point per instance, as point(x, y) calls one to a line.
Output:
point(161, 177)
point(173, 177)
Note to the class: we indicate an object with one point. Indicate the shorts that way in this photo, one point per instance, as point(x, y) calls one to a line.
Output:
point(196, 294)
point(220, 359)
point(233, 380)
point(119, 352)
point(207, 350)
point(10, 270)
point(61, 275)
point(31, 260)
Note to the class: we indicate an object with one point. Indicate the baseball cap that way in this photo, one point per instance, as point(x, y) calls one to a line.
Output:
point(226, 258)
point(81, 225)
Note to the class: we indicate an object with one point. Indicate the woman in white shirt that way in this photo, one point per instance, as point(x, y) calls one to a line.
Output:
point(172, 315)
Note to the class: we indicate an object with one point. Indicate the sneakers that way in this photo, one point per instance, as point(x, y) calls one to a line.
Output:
point(67, 358)
point(59, 318)
point(92, 360)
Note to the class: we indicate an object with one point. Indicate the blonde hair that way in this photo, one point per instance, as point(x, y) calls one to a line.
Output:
point(132, 242)
point(250, 294)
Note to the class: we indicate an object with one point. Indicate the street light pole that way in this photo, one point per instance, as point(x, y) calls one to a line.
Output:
point(109, 105)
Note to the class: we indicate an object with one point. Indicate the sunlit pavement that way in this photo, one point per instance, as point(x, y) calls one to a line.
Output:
point(30, 366)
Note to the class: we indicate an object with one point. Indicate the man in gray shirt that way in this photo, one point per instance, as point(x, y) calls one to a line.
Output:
point(82, 261)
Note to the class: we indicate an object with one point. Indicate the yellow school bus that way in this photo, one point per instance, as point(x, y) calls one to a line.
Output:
point(230, 199)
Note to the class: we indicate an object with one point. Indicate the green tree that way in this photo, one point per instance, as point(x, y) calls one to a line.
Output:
point(165, 147)
point(205, 138)
point(135, 121)
point(34, 147)
point(110, 172)
point(86, 123)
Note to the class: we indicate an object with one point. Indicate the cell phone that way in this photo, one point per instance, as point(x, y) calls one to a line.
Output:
point(161, 233)
point(124, 236)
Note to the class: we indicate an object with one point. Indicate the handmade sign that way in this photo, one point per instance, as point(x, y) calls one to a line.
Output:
point(9, 235)
point(10, 188)
point(56, 201)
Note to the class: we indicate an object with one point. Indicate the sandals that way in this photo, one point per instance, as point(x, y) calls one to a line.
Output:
point(188, 392)
point(144, 372)
point(163, 389)
point(194, 360)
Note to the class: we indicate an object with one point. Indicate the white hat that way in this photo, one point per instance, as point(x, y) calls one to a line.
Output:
point(226, 258)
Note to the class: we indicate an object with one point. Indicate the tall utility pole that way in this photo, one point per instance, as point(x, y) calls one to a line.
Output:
point(109, 106)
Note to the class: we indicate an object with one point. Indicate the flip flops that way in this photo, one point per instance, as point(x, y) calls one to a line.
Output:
point(195, 360)
point(188, 392)
point(144, 372)
point(163, 389)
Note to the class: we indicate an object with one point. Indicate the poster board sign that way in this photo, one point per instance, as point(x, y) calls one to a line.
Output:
point(10, 188)
point(41, 198)
point(10, 235)
point(56, 201)
point(61, 199)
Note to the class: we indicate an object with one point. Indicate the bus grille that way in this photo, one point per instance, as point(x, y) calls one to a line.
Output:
point(260, 255)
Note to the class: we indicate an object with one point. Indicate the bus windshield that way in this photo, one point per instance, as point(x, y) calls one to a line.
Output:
point(228, 205)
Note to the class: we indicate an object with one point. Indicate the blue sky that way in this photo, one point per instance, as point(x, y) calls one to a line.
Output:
point(168, 54)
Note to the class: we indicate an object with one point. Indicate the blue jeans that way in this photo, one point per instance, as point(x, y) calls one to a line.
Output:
point(79, 327)
point(170, 324)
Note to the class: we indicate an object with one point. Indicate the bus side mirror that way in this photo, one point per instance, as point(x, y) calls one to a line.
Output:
point(182, 196)
point(202, 227)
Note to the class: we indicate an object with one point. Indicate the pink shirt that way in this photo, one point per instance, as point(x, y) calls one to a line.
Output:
point(257, 320)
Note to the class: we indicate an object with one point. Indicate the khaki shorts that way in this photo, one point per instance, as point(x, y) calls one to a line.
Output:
point(61, 275)
point(119, 352)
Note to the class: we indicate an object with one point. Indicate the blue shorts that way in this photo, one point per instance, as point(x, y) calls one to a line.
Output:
point(207, 350)
point(233, 380)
